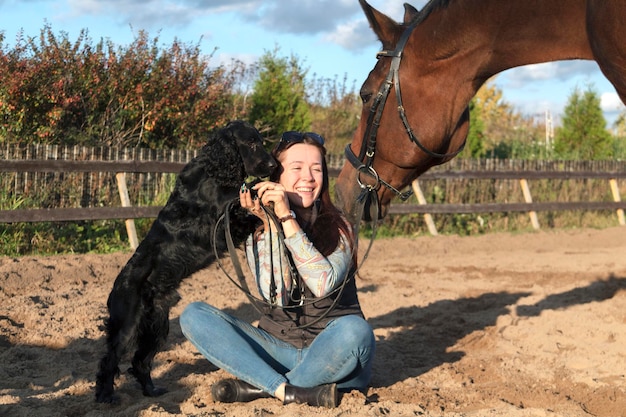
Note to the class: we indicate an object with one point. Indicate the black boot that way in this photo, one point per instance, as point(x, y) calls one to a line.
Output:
point(320, 396)
point(236, 391)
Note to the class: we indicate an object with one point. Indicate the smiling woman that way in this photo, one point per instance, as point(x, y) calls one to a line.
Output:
point(312, 339)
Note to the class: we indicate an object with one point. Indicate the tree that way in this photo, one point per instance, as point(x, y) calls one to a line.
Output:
point(475, 143)
point(620, 137)
point(56, 91)
point(504, 132)
point(583, 134)
point(498, 116)
point(335, 110)
point(279, 99)
point(620, 125)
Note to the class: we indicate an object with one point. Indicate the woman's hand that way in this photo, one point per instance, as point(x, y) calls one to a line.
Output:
point(269, 194)
point(250, 203)
point(273, 195)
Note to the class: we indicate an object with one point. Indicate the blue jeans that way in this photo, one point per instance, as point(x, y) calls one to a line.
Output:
point(341, 353)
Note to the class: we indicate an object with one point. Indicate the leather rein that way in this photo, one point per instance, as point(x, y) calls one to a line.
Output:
point(364, 162)
point(258, 303)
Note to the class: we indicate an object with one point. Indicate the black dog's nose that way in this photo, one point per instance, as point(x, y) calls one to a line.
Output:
point(269, 167)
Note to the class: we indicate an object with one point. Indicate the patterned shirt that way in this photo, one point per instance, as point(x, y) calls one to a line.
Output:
point(320, 274)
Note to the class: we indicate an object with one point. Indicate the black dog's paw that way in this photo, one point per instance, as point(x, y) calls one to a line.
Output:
point(152, 391)
point(107, 398)
point(147, 386)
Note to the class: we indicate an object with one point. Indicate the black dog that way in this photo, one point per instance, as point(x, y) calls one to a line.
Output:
point(179, 243)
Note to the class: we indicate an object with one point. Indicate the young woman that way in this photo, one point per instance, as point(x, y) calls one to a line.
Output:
point(313, 339)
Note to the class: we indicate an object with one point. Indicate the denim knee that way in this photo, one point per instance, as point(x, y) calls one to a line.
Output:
point(354, 331)
point(191, 314)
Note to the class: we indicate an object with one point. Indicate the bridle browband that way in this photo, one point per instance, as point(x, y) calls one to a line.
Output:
point(364, 162)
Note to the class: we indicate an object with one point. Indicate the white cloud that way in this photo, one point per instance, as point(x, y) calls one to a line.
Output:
point(303, 16)
point(538, 107)
point(158, 13)
point(341, 22)
point(353, 35)
point(356, 34)
point(611, 103)
point(227, 59)
point(537, 72)
point(559, 70)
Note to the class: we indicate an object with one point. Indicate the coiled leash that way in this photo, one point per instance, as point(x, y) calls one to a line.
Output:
point(261, 304)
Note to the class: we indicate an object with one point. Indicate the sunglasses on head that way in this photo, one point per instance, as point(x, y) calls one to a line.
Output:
point(298, 137)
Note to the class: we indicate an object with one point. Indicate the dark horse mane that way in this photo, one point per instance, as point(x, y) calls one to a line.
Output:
point(419, 16)
point(430, 7)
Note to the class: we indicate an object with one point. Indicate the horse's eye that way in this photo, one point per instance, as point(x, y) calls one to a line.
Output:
point(365, 96)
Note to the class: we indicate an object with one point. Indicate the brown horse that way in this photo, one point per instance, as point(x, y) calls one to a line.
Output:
point(431, 66)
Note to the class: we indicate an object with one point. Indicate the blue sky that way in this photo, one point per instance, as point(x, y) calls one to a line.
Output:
point(330, 37)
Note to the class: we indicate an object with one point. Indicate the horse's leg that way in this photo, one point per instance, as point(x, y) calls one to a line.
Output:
point(605, 26)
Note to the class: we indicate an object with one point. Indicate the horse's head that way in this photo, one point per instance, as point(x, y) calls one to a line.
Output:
point(403, 131)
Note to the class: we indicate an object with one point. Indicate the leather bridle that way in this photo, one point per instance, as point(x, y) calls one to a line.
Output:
point(364, 162)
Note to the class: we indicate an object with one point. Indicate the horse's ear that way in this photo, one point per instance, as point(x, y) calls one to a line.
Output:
point(410, 13)
point(383, 26)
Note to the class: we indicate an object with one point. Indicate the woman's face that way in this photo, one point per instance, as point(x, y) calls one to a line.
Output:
point(302, 174)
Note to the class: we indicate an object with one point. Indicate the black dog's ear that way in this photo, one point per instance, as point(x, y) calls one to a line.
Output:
point(236, 126)
point(191, 174)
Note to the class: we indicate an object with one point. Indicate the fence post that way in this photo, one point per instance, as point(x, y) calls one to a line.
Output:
point(120, 177)
point(617, 199)
point(428, 218)
point(529, 199)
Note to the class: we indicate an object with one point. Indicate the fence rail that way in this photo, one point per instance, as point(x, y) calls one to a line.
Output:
point(134, 166)
point(90, 166)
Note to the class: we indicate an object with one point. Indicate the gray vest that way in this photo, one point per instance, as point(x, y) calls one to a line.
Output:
point(293, 324)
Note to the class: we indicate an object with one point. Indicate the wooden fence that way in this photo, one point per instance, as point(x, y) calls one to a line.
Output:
point(128, 212)
point(527, 206)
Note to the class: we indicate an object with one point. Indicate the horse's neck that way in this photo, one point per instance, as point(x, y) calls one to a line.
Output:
point(490, 36)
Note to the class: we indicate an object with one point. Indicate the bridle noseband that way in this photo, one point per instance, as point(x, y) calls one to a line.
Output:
point(364, 162)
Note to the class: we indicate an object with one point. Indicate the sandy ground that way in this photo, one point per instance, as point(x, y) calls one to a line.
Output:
point(497, 325)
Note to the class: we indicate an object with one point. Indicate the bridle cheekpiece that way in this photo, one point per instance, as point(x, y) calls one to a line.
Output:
point(364, 162)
